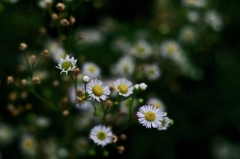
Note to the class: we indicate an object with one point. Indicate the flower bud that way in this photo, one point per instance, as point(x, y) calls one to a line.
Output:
point(45, 53)
point(60, 6)
point(142, 86)
point(10, 80)
point(22, 46)
point(96, 113)
point(86, 79)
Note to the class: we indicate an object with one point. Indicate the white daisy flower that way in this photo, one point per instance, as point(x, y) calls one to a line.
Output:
point(6, 134)
point(123, 87)
point(124, 67)
point(90, 69)
point(188, 34)
point(28, 145)
point(193, 16)
point(101, 135)
point(67, 64)
point(44, 3)
point(213, 19)
point(97, 90)
point(141, 49)
point(150, 116)
point(156, 103)
point(195, 3)
point(55, 50)
point(170, 49)
point(91, 36)
point(152, 71)
point(165, 121)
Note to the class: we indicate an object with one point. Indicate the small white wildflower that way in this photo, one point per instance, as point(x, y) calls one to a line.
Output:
point(101, 135)
point(28, 145)
point(91, 36)
point(44, 3)
point(152, 71)
point(90, 69)
point(142, 86)
point(165, 121)
point(124, 67)
point(194, 3)
point(55, 50)
point(6, 134)
point(141, 49)
point(85, 79)
point(213, 19)
point(157, 103)
point(193, 16)
point(150, 116)
point(67, 64)
point(170, 49)
point(123, 87)
point(188, 34)
point(136, 86)
point(97, 90)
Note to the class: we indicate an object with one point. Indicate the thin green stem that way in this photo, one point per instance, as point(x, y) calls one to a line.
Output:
point(38, 63)
point(29, 66)
point(130, 109)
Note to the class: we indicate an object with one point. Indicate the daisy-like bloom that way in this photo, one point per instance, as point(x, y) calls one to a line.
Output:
point(44, 3)
point(195, 3)
point(97, 90)
point(91, 36)
point(124, 67)
point(90, 69)
point(6, 134)
point(123, 87)
point(156, 103)
point(55, 50)
point(28, 145)
point(188, 34)
point(193, 16)
point(170, 49)
point(213, 19)
point(101, 135)
point(165, 121)
point(67, 64)
point(152, 71)
point(150, 116)
point(141, 49)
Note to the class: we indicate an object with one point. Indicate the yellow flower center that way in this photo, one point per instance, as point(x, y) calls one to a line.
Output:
point(28, 144)
point(123, 88)
point(91, 69)
point(150, 116)
point(171, 49)
point(140, 50)
point(97, 91)
point(66, 65)
point(101, 135)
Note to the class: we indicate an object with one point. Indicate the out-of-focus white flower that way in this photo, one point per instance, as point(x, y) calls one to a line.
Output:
point(213, 19)
point(156, 103)
point(101, 135)
point(141, 49)
point(120, 44)
point(193, 16)
point(67, 64)
point(55, 50)
point(195, 3)
point(6, 134)
point(62, 152)
point(123, 87)
point(90, 69)
point(44, 3)
point(170, 49)
point(152, 71)
point(28, 144)
point(188, 35)
point(150, 116)
point(97, 90)
point(124, 67)
point(42, 121)
point(81, 146)
point(91, 36)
